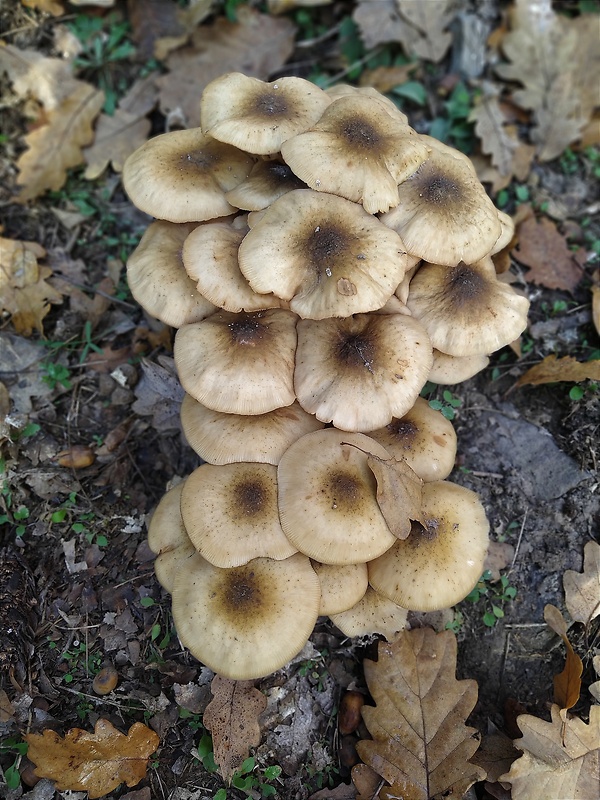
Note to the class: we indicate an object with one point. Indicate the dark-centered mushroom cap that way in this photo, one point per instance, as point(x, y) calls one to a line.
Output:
point(256, 116)
point(324, 254)
point(167, 537)
point(182, 176)
point(357, 150)
point(267, 181)
point(246, 622)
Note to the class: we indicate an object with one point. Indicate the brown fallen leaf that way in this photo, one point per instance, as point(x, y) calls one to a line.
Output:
point(498, 139)
point(54, 7)
point(554, 370)
point(420, 742)
point(582, 589)
point(567, 684)
point(94, 762)
point(560, 758)
point(232, 718)
point(76, 457)
point(546, 252)
point(384, 79)
point(48, 80)
point(399, 494)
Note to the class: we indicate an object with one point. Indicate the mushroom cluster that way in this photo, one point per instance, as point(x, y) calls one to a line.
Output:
point(321, 261)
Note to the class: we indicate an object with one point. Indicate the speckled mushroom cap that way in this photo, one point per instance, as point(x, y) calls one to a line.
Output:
point(424, 438)
point(327, 498)
point(256, 116)
point(324, 254)
point(249, 621)
point(357, 150)
point(372, 614)
point(345, 90)
point(448, 370)
point(361, 371)
point(444, 215)
point(239, 363)
point(342, 586)
point(167, 537)
point(182, 176)
point(267, 181)
point(158, 280)
point(441, 561)
point(465, 309)
point(230, 514)
point(226, 438)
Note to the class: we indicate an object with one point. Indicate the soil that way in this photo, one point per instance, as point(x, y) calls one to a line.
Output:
point(78, 585)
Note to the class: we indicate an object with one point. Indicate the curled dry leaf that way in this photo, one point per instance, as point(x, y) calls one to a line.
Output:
point(399, 493)
point(94, 762)
point(567, 684)
point(553, 370)
point(582, 589)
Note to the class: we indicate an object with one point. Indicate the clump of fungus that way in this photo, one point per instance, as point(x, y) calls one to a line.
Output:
point(322, 262)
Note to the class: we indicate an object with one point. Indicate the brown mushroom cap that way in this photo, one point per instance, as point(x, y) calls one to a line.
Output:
point(226, 438)
point(182, 176)
point(372, 614)
point(448, 370)
point(325, 255)
point(441, 561)
point(327, 498)
point(361, 371)
point(167, 537)
point(158, 280)
point(267, 181)
point(239, 363)
point(230, 514)
point(357, 150)
point(342, 586)
point(256, 116)
point(345, 90)
point(249, 621)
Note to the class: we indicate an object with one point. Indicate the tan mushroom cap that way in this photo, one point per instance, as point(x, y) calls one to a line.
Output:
point(324, 254)
point(158, 280)
point(465, 309)
point(361, 371)
point(226, 438)
point(246, 622)
point(256, 116)
point(239, 363)
point(345, 90)
point(506, 235)
point(267, 181)
point(167, 537)
point(424, 438)
point(439, 563)
point(372, 614)
point(342, 586)
point(448, 370)
point(444, 215)
point(327, 498)
point(357, 150)
point(182, 176)
point(230, 514)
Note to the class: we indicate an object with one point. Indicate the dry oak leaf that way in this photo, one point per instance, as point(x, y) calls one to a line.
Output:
point(545, 251)
point(498, 139)
point(582, 589)
point(567, 684)
point(57, 145)
point(48, 80)
point(54, 7)
point(94, 762)
point(420, 742)
point(232, 718)
point(561, 759)
point(24, 291)
point(554, 370)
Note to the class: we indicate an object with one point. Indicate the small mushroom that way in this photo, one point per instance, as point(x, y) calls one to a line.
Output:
point(342, 586)
point(167, 537)
point(448, 370)
point(373, 614)
point(267, 181)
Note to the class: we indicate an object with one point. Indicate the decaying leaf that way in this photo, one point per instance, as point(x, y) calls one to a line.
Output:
point(582, 589)
point(545, 251)
point(420, 742)
point(399, 494)
point(232, 718)
point(94, 762)
point(48, 80)
point(498, 140)
point(567, 684)
point(384, 79)
point(560, 758)
point(553, 370)
point(159, 394)
point(54, 7)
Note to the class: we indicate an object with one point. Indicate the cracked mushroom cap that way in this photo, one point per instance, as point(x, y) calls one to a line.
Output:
point(230, 514)
point(373, 613)
point(167, 537)
point(249, 621)
point(267, 181)
point(465, 309)
point(328, 498)
point(357, 150)
point(342, 586)
point(256, 116)
point(324, 254)
point(448, 370)
point(441, 561)
point(158, 280)
point(361, 371)
point(444, 214)
point(183, 176)
point(424, 438)
point(239, 363)
point(226, 438)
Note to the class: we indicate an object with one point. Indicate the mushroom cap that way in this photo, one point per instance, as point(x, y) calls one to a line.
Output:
point(448, 370)
point(324, 254)
point(327, 498)
point(441, 561)
point(424, 438)
point(230, 514)
point(345, 90)
point(182, 176)
point(361, 371)
point(357, 150)
point(158, 280)
point(167, 537)
point(267, 181)
point(248, 621)
point(342, 586)
point(506, 235)
point(444, 215)
point(226, 438)
point(239, 363)
point(465, 309)
point(372, 614)
point(256, 116)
